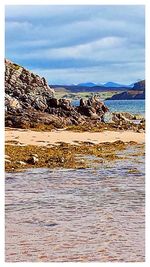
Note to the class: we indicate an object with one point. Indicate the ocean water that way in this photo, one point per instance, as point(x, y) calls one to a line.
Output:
point(131, 106)
point(85, 215)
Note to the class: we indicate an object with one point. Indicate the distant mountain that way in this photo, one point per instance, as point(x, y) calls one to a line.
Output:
point(81, 88)
point(116, 85)
point(88, 84)
point(91, 86)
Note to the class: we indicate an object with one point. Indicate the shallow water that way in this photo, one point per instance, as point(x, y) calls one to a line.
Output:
point(94, 214)
point(131, 106)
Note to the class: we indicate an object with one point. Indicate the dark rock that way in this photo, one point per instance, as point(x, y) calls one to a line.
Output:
point(93, 108)
point(33, 159)
point(29, 102)
point(65, 104)
point(82, 102)
point(52, 102)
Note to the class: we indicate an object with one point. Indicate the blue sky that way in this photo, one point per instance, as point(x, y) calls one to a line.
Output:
point(74, 44)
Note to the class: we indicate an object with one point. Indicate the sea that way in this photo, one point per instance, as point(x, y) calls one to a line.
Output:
point(95, 214)
point(131, 106)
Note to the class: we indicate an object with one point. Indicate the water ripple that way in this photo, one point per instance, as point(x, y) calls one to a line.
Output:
point(77, 215)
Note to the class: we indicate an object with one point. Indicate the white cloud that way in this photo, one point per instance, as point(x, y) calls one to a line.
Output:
point(79, 51)
point(69, 37)
point(116, 72)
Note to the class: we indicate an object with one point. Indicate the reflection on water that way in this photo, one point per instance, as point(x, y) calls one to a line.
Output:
point(94, 214)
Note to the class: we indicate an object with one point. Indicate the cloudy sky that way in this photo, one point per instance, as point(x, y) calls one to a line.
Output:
point(73, 44)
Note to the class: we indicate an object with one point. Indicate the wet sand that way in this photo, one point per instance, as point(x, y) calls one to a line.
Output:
point(29, 137)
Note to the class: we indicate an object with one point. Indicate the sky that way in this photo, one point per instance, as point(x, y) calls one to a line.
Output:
point(75, 44)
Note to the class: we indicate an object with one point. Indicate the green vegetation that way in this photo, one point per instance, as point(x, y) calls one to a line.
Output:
point(63, 93)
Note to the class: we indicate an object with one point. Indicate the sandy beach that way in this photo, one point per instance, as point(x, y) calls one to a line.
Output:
point(29, 137)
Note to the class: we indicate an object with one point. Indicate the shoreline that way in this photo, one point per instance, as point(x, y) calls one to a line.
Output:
point(26, 149)
point(44, 138)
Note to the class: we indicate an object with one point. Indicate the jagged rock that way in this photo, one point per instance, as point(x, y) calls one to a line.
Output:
point(93, 108)
point(53, 102)
point(29, 102)
point(11, 102)
point(26, 87)
point(39, 103)
point(123, 116)
point(64, 104)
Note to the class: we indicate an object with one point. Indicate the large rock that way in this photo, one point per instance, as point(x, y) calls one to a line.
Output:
point(93, 108)
point(29, 102)
point(27, 88)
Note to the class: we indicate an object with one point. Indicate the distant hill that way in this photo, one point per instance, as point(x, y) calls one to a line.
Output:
point(92, 87)
point(89, 84)
point(83, 88)
point(139, 85)
point(116, 85)
point(137, 92)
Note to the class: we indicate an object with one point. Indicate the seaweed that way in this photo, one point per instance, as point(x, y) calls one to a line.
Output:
point(62, 155)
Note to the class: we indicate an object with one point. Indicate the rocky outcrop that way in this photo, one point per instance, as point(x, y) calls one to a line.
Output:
point(24, 89)
point(125, 116)
point(29, 102)
point(127, 121)
point(92, 108)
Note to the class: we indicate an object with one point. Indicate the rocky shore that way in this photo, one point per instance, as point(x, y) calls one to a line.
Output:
point(43, 131)
point(31, 103)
